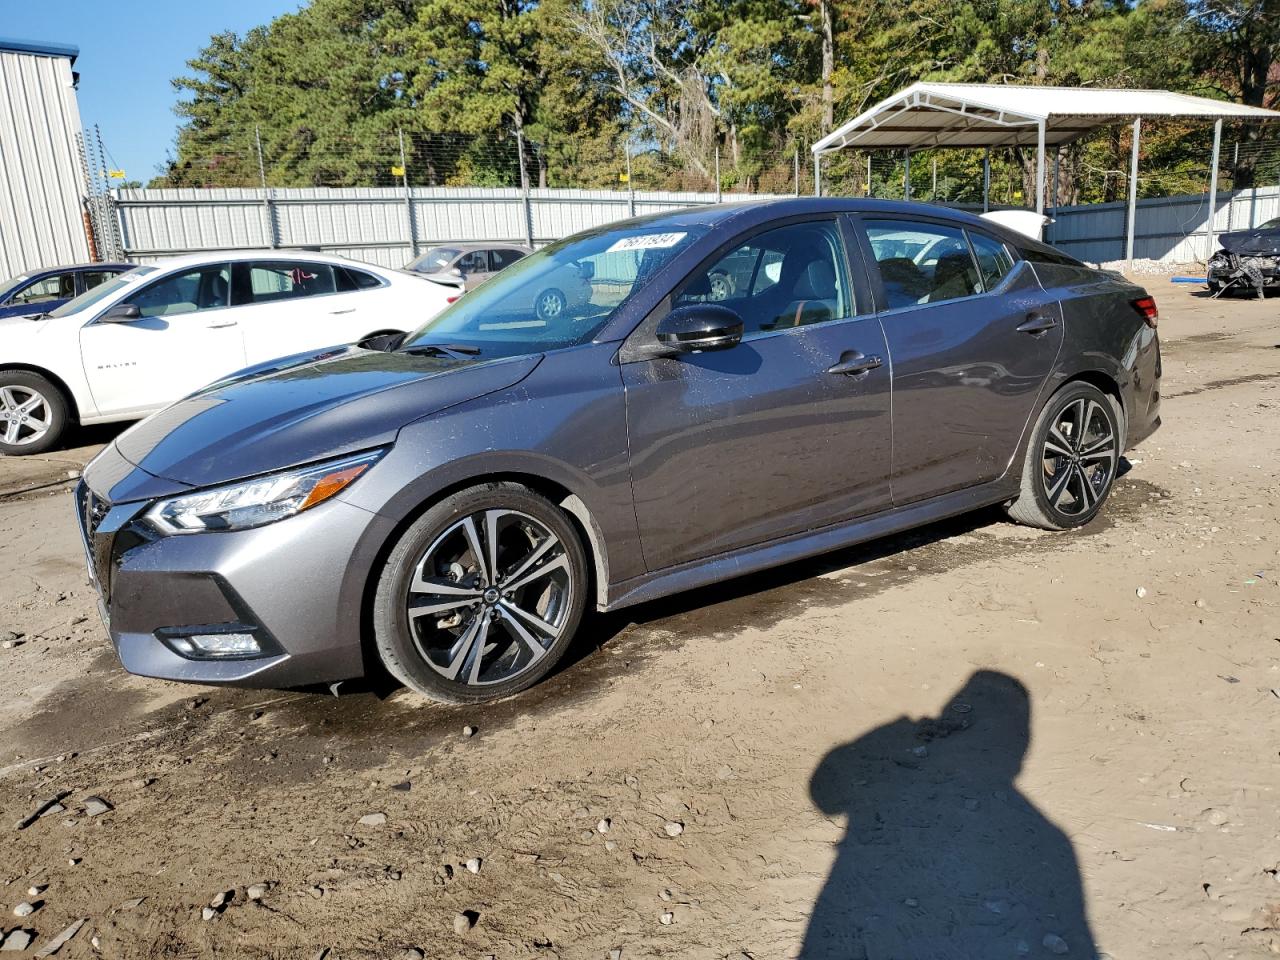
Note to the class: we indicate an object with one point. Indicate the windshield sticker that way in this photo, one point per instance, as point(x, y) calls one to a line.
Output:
point(648, 241)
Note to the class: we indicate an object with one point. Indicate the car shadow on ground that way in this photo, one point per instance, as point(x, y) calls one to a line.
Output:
point(943, 857)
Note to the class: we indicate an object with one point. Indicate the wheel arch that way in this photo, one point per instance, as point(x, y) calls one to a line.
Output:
point(579, 514)
point(73, 408)
point(1108, 385)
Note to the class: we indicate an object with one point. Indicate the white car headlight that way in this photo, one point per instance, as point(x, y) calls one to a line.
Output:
point(252, 503)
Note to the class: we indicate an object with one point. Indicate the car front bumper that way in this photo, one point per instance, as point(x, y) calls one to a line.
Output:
point(296, 585)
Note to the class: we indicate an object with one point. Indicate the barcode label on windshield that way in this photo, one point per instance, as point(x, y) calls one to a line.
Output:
point(648, 241)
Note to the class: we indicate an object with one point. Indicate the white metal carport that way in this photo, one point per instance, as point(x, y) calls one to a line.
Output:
point(970, 115)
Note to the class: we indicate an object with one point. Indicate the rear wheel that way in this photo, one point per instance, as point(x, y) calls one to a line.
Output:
point(33, 413)
point(481, 596)
point(1071, 460)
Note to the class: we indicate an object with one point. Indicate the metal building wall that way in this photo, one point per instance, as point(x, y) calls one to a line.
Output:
point(41, 180)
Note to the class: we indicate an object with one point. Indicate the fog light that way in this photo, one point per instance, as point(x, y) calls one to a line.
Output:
point(224, 644)
point(238, 644)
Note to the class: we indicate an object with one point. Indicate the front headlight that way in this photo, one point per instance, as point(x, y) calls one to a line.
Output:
point(252, 503)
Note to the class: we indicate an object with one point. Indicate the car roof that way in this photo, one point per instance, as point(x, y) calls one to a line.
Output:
point(62, 268)
point(482, 245)
point(225, 256)
point(747, 213)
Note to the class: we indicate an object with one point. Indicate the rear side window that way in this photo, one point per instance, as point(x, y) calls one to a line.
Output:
point(274, 280)
point(93, 278)
point(350, 279)
point(504, 258)
point(922, 263)
point(994, 261)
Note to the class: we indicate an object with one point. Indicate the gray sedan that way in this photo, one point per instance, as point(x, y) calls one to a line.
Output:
point(451, 506)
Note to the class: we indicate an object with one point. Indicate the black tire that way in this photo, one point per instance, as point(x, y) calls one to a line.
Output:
point(21, 432)
point(1066, 489)
point(550, 304)
point(421, 651)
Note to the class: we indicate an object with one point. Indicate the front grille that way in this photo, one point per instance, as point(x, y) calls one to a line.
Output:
point(91, 510)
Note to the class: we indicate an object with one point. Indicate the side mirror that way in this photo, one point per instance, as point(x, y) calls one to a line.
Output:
point(122, 313)
point(587, 270)
point(699, 327)
point(457, 272)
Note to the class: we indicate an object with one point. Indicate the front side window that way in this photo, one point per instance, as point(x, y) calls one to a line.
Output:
point(273, 280)
point(788, 277)
point(922, 263)
point(203, 288)
point(561, 296)
point(474, 262)
point(59, 286)
point(994, 261)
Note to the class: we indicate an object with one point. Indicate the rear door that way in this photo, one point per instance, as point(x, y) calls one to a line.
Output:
point(767, 438)
point(972, 337)
point(292, 305)
point(188, 336)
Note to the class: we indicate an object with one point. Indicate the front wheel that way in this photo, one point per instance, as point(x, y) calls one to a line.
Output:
point(1071, 460)
point(33, 413)
point(481, 596)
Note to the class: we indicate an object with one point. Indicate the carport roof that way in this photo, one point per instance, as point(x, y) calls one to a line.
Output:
point(926, 115)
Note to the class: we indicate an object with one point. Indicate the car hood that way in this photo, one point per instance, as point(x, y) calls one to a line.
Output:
point(306, 408)
point(1251, 243)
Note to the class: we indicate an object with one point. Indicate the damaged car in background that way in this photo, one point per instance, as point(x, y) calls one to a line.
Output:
point(1248, 261)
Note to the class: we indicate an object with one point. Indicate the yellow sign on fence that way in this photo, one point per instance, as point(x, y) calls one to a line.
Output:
point(624, 178)
point(397, 171)
point(116, 174)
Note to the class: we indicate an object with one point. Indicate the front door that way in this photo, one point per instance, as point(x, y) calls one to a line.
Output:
point(188, 336)
point(972, 336)
point(737, 447)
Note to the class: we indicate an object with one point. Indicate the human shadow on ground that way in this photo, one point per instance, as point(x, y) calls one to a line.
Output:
point(943, 857)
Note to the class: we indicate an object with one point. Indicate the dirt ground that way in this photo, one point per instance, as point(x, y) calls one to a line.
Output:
point(976, 741)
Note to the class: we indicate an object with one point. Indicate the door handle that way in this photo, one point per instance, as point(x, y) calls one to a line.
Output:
point(854, 363)
point(1036, 324)
point(346, 310)
point(215, 324)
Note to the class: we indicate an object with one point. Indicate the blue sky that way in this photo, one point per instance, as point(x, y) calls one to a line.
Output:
point(128, 54)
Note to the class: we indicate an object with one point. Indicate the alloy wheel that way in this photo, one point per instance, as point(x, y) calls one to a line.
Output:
point(1080, 457)
point(550, 305)
point(25, 416)
point(489, 597)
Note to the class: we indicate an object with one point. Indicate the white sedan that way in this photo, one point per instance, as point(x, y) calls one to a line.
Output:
point(155, 334)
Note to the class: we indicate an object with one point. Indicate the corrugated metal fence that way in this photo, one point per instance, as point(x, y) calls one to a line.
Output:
point(380, 225)
point(389, 225)
point(1170, 229)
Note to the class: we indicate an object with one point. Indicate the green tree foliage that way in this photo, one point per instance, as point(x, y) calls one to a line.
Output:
point(681, 88)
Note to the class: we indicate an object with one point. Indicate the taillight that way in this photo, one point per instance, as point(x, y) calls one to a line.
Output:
point(452, 299)
point(1146, 307)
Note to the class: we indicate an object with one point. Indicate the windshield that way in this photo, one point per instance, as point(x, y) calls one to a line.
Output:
point(102, 291)
point(437, 258)
point(561, 296)
point(12, 284)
